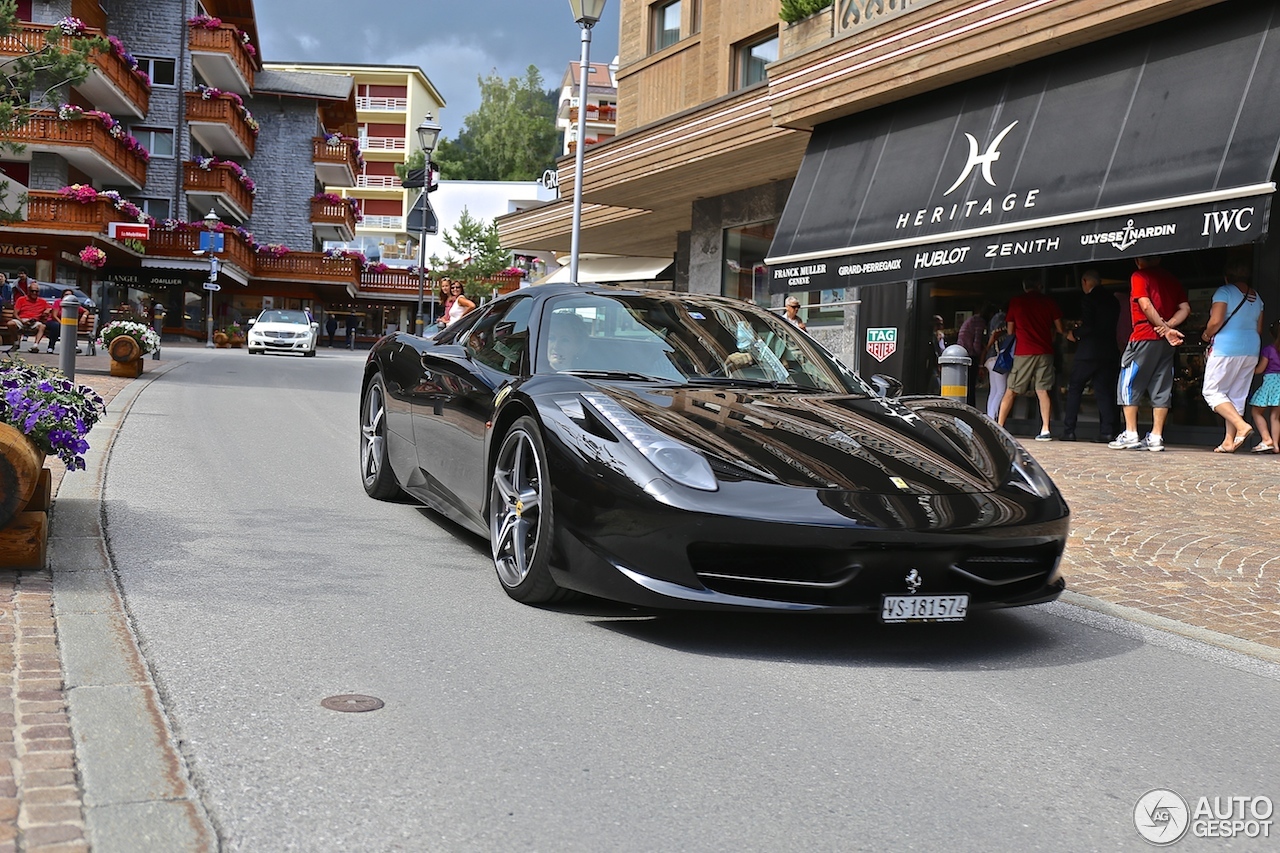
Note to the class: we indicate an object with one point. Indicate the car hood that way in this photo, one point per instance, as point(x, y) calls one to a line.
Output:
point(280, 327)
point(852, 443)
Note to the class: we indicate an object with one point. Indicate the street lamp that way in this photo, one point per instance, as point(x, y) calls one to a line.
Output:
point(428, 134)
point(586, 13)
point(211, 222)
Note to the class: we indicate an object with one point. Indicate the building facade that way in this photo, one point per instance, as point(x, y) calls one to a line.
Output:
point(176, 121)
point(601, 110)
point(889, 163)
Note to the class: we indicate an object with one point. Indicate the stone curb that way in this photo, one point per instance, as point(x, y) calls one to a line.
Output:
point(137, 793)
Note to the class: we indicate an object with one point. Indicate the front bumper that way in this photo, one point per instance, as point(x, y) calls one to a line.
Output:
point(267, 342)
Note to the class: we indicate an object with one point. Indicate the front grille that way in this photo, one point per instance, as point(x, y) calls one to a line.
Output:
point(860, 575)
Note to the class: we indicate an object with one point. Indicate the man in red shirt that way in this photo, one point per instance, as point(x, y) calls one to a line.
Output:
point(31, 312)
point(1159, 305)
point(1033, 318)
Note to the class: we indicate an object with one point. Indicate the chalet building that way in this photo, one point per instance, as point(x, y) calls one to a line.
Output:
point(887, 163)
point(601, 108)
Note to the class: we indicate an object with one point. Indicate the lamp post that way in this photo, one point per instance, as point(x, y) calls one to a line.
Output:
point(428, 134)
point(586, 13)
point(211, 222)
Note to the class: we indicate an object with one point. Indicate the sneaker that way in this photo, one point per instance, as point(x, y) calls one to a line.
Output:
point(34, 349)
point(1154, 443)
point(1125, 441)
point(1044, 436)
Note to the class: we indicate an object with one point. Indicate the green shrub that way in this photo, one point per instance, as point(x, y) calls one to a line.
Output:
point(794, 10)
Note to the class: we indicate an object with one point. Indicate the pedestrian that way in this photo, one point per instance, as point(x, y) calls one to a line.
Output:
point(22, 285)
point(1158, 305)
point(53, 329)
point(1234, 335)
point(1097, 360)
point(331, 326)
point(973, 337)
point(32, 313)
point(1032, 319)
point(1266, 400)
point(792, 309)
point(6, 292)
point(997, 330)
point(459, 305)
point(351, 331)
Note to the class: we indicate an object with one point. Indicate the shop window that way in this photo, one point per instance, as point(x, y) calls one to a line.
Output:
point(751, 59)
point(163, 72)
point(159, 141)
point(822, 307)
point(666, 25)
point(745, 275)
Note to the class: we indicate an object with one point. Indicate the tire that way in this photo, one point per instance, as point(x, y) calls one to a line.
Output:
point(311, 353)
point(253, 351)
point(520, 516)
point(375, 466)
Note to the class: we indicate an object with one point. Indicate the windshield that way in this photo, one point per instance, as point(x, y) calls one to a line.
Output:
point(684, 338)
point(295, 317)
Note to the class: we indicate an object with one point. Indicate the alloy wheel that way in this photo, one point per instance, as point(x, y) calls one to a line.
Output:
point(516, 506)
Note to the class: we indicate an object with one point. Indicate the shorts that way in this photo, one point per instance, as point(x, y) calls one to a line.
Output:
point(1227, 379)
point(1031, 373)
point(1146, 367)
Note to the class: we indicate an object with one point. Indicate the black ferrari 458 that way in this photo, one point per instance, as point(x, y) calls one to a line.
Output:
point(675, 450)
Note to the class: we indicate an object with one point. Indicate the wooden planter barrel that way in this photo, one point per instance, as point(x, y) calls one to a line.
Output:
point(24, 498)
point(126, 356)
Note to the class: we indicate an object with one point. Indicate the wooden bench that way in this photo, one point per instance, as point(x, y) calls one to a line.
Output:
point(86, 329)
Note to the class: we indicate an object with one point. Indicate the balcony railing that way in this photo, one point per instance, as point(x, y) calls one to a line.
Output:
point(309, 266)
point(83, 142)
point(49, 211)
point(219, 180)
point(336, 165)
point(383, 105)
point(221, 58)
point(382, 143)
point(405, 283)
point(339, 217)
point(394, 223)
point(378, 182)
point(219, 125)
point(183, 244)
point(111, 82)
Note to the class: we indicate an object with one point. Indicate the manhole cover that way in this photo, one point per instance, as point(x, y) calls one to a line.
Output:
point(352, 703)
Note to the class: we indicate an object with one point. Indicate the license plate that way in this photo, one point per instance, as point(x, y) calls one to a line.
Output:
point(924, 608)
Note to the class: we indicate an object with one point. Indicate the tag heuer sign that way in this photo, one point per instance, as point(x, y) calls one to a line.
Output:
point(882, 343)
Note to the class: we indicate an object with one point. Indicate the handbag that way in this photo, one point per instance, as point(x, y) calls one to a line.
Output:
point(1209, 351)
point(1004, 354)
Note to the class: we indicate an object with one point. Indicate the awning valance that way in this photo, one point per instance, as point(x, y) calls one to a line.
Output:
point(605, 270)
point(1156, 141)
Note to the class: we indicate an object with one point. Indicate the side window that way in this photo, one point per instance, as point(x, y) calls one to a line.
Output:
point(500, 339)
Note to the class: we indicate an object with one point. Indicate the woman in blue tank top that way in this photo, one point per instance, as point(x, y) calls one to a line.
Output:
point(1234, 335)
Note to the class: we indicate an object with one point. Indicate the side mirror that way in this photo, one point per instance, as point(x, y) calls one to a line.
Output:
point(315, 327)
point(254, 320)
point(886, 386)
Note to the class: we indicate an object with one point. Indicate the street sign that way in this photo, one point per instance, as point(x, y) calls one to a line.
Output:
point(414, 179)
point(422, 219)
point(212, 285)
point(214, 267)
point(211, 241)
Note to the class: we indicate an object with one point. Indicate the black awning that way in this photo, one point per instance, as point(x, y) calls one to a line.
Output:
point(1160, 140)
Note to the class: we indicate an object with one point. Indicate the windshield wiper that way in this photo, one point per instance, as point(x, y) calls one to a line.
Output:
point(730, 380)
point(614, 374)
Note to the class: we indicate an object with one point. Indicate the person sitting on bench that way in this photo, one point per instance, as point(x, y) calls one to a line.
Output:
point(33, 313)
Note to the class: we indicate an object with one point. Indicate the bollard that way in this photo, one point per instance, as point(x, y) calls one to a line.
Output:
point(70, 319)
point(955, 363)
point(158, 324)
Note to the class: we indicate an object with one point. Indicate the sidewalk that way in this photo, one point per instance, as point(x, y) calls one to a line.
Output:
point(1183, 540)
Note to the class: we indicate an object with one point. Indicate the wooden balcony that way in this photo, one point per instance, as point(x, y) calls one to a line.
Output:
point(219, 125)
point(111, 85)
point(398, 283)
point(309, 267)
point(51, 212)
point(602, 115)
point(183, 245)
point(333, 221)
point(336, 165)
point(221, 59)
point(217, 188)
point(85, 144)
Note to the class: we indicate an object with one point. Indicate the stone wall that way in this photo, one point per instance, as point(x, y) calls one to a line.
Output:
point(283, 170)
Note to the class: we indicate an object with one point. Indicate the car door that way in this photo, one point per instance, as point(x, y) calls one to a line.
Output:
point(451, 421)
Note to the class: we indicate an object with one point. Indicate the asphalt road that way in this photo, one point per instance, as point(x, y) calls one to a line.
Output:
point(261, 580)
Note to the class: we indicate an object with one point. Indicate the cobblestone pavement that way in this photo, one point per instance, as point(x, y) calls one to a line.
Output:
point(1188, 535)
point(41, 801)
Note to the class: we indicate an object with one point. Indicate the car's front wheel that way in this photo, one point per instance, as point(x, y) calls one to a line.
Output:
point(375, 467)
point(520, 516)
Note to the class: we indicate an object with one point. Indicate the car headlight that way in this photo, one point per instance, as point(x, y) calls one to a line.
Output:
point(1029, 476)
point(673, 458)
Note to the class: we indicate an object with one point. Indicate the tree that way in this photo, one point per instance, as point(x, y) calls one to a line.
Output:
point(35, 80)
point(416, 160)
point(475, 253)
point(510, 137)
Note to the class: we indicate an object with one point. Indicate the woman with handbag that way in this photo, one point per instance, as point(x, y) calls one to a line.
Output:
point(997, 332)
point(1234, 335)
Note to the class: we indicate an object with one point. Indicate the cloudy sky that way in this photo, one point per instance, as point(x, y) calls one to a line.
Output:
point(452, 41)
